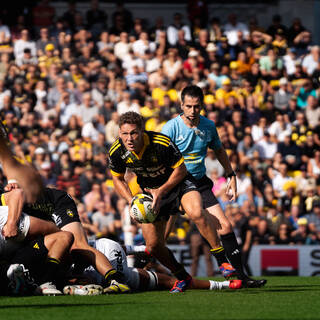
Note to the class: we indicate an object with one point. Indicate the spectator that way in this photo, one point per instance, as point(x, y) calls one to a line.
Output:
point(96, 18)
point(173, 29)
point(23, 43)
point(232, 28)
point(311, 61)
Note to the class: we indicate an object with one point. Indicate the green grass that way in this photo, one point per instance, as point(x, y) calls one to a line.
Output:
point(292, 298)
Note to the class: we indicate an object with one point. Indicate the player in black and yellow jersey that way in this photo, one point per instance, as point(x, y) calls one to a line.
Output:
point(161, 172)
point(57, 206)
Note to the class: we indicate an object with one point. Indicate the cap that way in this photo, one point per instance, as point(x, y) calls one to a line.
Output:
point(283, 81)
point(193, 53)
point(211, 47)
point(49, 47)
point(233, 65)
point(39, 150)
point(46, 165)
point(302, 221)
point(226, 81)
point(289, 185)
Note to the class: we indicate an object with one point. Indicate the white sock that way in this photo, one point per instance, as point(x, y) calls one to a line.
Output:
point(216, 285)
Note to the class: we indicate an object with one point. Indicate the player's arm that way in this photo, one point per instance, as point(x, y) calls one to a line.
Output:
point(14, 200)
point(224, 161)
point(122, 187)
point(28, 178)
point(118, 170)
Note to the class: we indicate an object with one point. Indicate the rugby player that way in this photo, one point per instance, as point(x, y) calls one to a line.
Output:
point(139, 279)
point(56, 205)
point(21, 253)
point(160, 171)
point(194, 134)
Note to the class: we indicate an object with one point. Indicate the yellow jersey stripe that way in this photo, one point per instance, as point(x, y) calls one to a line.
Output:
point(114, 149)
point(116, 174)
point(158, 139)
point(163, 143)
point(177, 164)
point(117, 141)
point(3, 201)
point(162, 137)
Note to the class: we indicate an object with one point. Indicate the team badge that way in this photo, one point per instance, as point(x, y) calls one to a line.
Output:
point(70, 213)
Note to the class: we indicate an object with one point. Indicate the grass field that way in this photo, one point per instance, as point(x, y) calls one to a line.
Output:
point(292, 298)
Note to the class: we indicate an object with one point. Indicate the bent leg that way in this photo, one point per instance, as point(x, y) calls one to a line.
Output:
point(153, 234)
point(40, 227)
point(82, 248)
point(192, 205)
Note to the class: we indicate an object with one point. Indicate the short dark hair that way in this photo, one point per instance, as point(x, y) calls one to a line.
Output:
point(131, 117)
point(192, 91)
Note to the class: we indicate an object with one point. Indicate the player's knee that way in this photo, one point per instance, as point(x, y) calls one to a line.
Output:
point(154, 247)
point(197, 216)
point(66, 237)
point(226, 227)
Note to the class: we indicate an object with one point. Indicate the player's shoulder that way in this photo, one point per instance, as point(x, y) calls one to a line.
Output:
point(157, 138)
point(114, 147)
point(173, 122)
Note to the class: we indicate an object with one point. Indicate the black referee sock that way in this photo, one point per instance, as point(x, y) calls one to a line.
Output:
point(233, 252)
point(220, 255)
point(113, 274)
point(52, 269)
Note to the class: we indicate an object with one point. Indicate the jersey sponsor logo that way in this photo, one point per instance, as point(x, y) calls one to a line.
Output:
point(129, 160)
point(199, 133)
point(180, 138)
point(118, 255)
point(154, 172)
point(36, 246)
point(57, 219)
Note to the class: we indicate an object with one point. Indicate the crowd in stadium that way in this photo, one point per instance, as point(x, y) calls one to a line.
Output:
point(64, 83)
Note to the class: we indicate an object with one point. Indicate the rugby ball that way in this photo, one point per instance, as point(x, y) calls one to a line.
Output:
point(141, 209)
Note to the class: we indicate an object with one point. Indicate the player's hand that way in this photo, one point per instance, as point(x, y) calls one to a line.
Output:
point(232, 189)
point(10, 230)
point(11, 185)
point(157, 196)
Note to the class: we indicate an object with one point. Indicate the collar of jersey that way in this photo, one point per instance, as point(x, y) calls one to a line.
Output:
point(146, 142)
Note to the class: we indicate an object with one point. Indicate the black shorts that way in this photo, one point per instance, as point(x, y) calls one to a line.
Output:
point(33, 256)
point(66, 212)
point(204, 186)
point(170, 204)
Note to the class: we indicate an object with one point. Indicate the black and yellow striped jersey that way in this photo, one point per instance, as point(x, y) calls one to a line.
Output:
point(48, 203)
point(153, 166)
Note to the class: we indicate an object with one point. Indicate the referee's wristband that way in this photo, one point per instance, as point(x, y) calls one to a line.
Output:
point(232, 174)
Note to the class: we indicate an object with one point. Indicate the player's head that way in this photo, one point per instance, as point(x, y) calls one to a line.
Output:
point(191, 102)
point(131, 128)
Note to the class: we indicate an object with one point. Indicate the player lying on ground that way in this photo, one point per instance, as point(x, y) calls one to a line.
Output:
point(139, 279)
point(56, 205)
point(22, 254)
